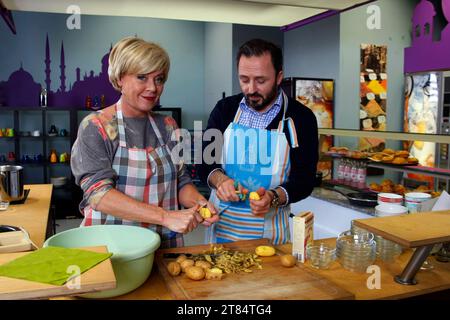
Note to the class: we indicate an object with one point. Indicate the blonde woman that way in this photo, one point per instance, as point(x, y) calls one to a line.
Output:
point(121, 158)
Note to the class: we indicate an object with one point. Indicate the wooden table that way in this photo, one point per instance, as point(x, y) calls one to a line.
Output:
point(33, 214)
point(430, 281)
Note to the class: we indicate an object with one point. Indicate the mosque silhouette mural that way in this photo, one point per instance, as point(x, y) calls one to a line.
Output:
point(20, 90)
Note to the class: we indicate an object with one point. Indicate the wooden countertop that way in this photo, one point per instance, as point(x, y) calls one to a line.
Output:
point(434, 280)
point(31, 215)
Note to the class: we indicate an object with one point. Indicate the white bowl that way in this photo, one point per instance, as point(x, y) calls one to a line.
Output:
point(58, 181)
point(390, 198)
point(386, 210)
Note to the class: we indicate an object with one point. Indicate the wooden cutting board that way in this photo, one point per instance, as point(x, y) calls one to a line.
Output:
point(411, 230)
point(99, 278)
point(272, 282)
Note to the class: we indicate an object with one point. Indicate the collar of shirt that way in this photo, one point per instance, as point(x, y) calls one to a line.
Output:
point(255, 119)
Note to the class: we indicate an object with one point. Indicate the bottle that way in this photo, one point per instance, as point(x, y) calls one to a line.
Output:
point(43, 98)
point(347, 170)
point(340, 171)
point(354, 173)
point(362, 174)
point(53, 156)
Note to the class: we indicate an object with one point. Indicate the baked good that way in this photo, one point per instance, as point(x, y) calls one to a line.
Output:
point(399, 160)
point(388, 151)
point(402, 153)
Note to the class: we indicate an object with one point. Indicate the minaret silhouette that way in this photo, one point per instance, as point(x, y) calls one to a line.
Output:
point(62, 66)
point(47, 65)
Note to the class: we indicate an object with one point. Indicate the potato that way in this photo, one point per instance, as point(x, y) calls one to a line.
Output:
point(203, 264)
point(288, 260)
point(254, 196)
point(195, 273)
point(174, 268)
point(186, 263)
point(265, 251)
point(214, 274)
point(181, 258)
point(205, 213)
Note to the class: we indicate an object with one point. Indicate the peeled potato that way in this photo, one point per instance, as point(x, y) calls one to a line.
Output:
point(181, 258)
point(254, 196)
point(195, 273)
point(205, 213)
point(214, 274)
point(186, 264)
point(265, 251)
point(174, 268)
point(288, 260)
point(203, 264)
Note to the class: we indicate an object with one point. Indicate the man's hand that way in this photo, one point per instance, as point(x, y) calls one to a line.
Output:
point(262, 206)
point(226, 191)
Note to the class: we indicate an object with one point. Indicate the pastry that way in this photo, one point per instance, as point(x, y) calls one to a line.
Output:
point(402, 153)
point(389, 158)
point(399, 160)
point(388, 151)
point(413, 160)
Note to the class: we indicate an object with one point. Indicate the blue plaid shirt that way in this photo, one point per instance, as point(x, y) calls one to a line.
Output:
point(255, 119)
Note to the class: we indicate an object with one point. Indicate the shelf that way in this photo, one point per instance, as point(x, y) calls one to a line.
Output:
point(37, 164)
point(388, 135)
point(433, 172)
point(429, 171)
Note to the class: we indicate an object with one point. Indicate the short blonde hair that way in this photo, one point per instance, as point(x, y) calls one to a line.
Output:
point(132, 55)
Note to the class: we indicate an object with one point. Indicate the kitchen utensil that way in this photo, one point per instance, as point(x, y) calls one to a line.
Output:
point(101, 277)
point(6, 228)
point(356, 251)
point(320, 256)
point(296, 283)
point(413, 200)
point(58, 181)
point(385, 210)
point(390, 198)
point(133, 251)
point(363, 199)
point(4, 205)
point(11, 183)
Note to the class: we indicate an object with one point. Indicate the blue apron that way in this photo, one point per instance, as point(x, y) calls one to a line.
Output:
point(256, 158)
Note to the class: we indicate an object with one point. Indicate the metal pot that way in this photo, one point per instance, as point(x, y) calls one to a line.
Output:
point(11, 183)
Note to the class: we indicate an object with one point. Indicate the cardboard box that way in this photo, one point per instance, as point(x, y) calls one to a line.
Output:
point(302, 233)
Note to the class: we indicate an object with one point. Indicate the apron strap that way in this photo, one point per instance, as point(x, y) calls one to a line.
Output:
point(285, 106)
point(292, 133)
point(237, 116)
point(155, 128)
point(120, 124)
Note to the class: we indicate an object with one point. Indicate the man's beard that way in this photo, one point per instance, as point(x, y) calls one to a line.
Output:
point(265, 101)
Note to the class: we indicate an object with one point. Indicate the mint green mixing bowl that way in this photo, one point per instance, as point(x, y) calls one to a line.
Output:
point(133, 251)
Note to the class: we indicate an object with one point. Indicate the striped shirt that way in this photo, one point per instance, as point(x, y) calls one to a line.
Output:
point(260, 120)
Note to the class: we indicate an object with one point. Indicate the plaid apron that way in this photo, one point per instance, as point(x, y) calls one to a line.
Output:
point(237, 221)
point(148, 175)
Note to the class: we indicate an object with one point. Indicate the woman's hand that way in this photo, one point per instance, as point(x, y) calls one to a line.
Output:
point(214, 216)
point(182, 221)
point(262, 206)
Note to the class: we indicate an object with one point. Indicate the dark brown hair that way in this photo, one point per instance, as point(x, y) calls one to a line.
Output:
point(258, 47)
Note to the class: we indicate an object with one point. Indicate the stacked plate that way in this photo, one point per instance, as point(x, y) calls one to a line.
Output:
point(356, 251)
point(386, 250)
